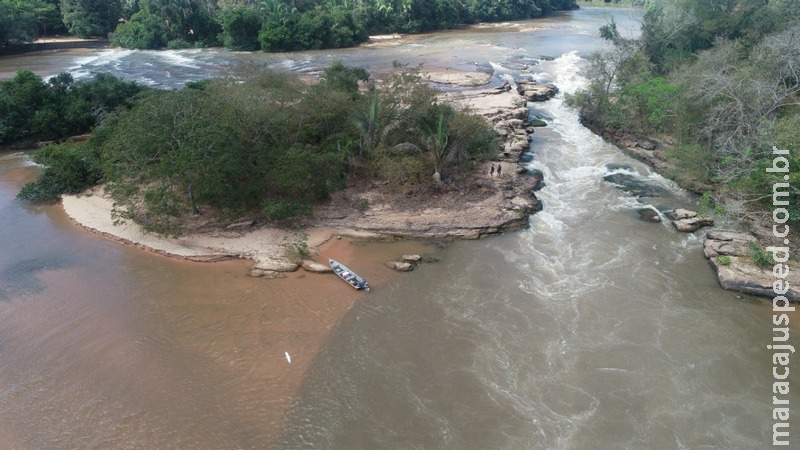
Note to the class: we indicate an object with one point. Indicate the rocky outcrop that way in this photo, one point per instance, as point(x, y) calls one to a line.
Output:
point(729, 252)
point(536, 92)
point(728, 243)
point(680, 214)
point(488, 202)
point(688, 221)
point(692, 224)
point(315, 267)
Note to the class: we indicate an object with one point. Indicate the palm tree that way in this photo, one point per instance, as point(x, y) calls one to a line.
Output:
point(372, 125)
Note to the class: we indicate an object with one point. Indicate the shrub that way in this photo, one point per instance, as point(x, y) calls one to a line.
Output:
point(284, 209)
point(723, 260)
point(298, 250)
point(69, 169)
point(760, 256)
point(178, 44)
point(362, 205)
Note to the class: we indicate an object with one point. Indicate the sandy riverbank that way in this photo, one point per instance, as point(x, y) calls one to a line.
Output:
point(265, 246)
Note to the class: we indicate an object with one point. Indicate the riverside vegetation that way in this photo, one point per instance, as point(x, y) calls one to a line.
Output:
point(270, 25)
point(718, 80)
point(266, 145)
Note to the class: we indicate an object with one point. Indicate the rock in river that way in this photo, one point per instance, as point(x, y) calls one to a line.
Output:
point(400, 266)
point(680, 214)
point(634, 185)
point(649, 215)
point(692, 224)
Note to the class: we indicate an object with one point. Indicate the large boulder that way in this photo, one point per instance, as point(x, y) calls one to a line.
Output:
point(411, 258)
point(400, 266)
point(680, 214)
point(536, 92)
point(692, 224)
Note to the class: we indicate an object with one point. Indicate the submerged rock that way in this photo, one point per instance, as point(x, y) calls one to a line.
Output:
point(537, 123)
point(649, 215)
point(634, 185)
point(268, 274)
point(619, 166)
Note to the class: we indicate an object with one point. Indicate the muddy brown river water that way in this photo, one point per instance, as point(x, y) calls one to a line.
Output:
point(590, 329)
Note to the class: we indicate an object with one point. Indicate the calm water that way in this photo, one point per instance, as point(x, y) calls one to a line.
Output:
point(591, 329)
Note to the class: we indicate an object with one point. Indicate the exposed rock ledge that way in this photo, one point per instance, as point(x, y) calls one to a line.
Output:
point(483, 205)
point(729, 254)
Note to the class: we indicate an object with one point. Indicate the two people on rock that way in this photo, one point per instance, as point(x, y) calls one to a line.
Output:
point(499, 170)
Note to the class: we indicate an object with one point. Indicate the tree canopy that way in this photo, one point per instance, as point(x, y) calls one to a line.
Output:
point(269, 25)
point(722, 78)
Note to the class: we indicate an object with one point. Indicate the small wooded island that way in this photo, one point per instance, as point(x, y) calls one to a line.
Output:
point(263, 151)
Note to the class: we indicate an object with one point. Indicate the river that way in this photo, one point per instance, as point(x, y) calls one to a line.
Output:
point(590, 329)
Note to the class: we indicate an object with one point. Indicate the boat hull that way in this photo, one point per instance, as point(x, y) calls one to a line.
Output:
point(348, 276)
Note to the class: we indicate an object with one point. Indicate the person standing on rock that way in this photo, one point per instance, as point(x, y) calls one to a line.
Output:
point(491, 171)
point(499, 170)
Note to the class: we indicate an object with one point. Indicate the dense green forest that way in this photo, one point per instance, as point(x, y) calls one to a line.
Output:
point(265, 144)
point(269, 25)
point(33, 110)
point(721, 79)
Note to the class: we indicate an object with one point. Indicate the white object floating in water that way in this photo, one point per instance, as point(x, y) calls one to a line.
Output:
point(288, 358)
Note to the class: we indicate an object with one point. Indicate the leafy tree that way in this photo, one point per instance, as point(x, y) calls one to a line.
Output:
point(169, 23)
point(20, 98)
point(240, 27)
point(91, 18)
point(143, 31)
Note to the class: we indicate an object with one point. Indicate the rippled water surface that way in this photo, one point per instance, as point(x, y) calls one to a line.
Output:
point(590, 329)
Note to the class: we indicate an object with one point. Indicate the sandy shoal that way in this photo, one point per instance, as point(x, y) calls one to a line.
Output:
point(265, 246)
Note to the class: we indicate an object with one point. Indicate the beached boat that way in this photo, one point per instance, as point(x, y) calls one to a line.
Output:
point(347, 275)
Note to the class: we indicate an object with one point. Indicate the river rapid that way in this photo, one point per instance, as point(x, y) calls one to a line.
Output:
point(591, 329)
